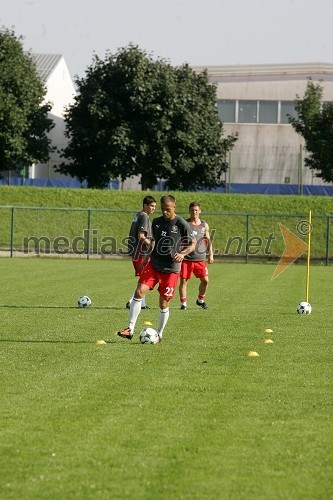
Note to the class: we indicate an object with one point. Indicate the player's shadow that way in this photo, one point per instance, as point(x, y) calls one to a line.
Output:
point(24, 341)
point(36, 306)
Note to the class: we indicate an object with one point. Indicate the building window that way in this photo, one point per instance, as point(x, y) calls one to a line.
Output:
point(227, 110)
point(268, 112)
point(241, 111)
point(287, 108)
point(247, 112)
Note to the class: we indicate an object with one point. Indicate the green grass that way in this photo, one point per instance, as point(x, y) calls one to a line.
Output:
point(131, 200)
point(191, 418)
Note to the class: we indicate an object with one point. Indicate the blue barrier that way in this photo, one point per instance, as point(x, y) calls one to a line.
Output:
point(277, 189)
point(63, 183)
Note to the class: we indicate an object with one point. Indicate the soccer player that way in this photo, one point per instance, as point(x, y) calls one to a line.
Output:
point(139, 239)
point(195, 262)
point(172, 240)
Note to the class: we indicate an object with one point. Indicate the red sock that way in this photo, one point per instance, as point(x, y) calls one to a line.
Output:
point(183, 299)
point(201, 297)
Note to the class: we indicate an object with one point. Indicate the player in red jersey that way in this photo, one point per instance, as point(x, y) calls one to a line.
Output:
point(172, 240)
point(195, 262)
point(139, 239)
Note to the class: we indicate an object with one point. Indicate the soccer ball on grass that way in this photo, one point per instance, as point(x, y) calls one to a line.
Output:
point(148, 336)
point(84, 301)
point(304, 308)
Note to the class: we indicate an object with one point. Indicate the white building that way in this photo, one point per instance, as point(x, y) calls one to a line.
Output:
point(55, 75)
point(254, 101)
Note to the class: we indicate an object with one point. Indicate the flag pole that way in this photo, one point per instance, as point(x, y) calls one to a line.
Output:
point(308, 259)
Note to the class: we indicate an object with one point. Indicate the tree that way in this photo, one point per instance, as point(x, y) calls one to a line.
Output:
point(23, 115)
point(315, 123)
point(137, 116)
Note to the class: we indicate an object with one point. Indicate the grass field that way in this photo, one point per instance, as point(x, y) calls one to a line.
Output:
point(191, 418)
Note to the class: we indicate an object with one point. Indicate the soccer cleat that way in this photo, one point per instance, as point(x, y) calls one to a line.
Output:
point(145, 307)
point(183, 307)
point(126, 333)
point(203, 305)
point(128, 305)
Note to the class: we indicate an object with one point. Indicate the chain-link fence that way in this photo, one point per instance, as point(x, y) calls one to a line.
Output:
point(103, 233)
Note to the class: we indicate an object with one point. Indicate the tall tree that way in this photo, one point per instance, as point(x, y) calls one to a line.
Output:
point(315, 123)
point(134, 115)
point(23, 115)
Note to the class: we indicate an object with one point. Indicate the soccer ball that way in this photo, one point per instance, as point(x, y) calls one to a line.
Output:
point(83, 301)
point(304, 308)
point(148, 336)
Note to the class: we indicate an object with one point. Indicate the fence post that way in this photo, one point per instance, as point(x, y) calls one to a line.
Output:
point(328, 240)
point(89, 226)
point(12, 233)
point(247, 237)
point(229, 174)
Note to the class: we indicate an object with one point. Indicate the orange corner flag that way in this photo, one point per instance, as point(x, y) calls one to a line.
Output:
point(294, 248)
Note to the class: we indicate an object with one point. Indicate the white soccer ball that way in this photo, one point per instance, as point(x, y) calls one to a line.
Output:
point(148, 335)
point(84, 301)
point(304, 308)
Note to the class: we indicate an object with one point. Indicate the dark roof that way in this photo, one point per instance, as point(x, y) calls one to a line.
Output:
point(45, 64)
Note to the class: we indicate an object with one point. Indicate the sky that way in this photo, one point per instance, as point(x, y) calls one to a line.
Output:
point(197, 32)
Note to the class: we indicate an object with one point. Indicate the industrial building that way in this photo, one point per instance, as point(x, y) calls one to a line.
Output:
point(255, 101)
